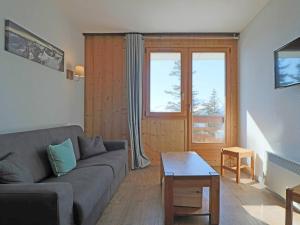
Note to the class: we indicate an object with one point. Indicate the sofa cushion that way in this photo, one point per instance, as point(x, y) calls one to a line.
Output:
point(61, 157)
point(89, 184)
point(32, 147)
point(12, 170)
point(115, 159)
point(90, 146)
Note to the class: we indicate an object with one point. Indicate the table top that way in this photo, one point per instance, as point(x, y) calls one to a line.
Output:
point(185, 164)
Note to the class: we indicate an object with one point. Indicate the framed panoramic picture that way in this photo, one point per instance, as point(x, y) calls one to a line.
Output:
point(26, 44)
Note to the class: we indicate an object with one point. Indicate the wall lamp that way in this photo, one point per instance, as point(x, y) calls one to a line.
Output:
point(77, 74)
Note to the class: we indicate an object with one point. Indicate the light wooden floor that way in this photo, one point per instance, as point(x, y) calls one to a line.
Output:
point(138, 202)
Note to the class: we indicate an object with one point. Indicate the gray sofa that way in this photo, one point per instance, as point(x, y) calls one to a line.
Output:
point(78, 197)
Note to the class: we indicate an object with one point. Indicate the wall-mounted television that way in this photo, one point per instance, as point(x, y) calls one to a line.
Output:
point(287, 65)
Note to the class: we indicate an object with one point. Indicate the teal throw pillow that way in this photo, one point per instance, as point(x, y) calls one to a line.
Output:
point(62, 157)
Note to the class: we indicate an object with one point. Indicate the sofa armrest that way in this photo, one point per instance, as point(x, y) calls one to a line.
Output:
point(112, 145)
point(35, 204)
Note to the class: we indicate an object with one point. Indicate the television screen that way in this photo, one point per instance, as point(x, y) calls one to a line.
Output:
point(287, 65)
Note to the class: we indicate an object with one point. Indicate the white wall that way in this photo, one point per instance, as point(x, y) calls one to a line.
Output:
point(269, 118)
point(32, 95)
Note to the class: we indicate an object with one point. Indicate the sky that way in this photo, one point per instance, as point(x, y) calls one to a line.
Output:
point(291, 70)
point(209, 74)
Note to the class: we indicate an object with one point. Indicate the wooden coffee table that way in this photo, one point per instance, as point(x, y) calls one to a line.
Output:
point(188, 169)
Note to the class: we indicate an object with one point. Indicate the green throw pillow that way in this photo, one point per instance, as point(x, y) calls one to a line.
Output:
point(62, 157)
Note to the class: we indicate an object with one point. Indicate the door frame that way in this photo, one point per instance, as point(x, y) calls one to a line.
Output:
point(199, 146)
point(210, 152)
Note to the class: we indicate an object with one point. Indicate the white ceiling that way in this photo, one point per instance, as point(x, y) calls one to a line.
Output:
point(161, 15)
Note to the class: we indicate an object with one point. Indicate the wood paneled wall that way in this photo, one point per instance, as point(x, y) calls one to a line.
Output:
point(106, 97)
point(106, 100)
point(105, 87)
point(163, 135)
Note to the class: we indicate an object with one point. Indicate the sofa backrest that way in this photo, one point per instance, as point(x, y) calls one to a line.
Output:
point(31, 146)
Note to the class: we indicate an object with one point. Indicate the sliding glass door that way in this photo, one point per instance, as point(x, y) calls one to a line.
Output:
point(193, 86)
point(209, 114)
point(208, 108)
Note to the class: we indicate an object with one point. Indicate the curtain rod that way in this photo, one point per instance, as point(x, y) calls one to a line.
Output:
point(170, 34)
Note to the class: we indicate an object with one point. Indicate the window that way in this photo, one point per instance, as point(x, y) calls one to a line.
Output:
point(199, 102)
point(165, 78)
point(208, 97)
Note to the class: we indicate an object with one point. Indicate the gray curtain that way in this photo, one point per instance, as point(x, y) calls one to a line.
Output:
point(134, 70)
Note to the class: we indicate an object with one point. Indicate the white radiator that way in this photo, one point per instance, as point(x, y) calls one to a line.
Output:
point(281, 173)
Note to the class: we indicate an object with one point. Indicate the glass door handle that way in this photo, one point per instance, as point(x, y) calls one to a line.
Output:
point(189, 107)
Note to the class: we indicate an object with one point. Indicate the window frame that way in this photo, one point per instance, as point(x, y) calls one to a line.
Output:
point(225, 51)
point(227, 118)
point(146, 83)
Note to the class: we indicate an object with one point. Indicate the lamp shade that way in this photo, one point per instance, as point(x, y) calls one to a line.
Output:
point(79, 71)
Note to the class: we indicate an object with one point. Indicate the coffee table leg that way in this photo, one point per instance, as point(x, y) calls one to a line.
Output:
point(168, 201)
point(214, 200)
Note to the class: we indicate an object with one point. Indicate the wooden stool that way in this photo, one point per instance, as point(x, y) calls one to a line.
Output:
point(292, 195)
point(237, 153)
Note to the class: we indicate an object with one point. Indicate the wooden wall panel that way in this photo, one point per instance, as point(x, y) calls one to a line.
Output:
point(106, 97)
point(162, 135)
point(105, 87)
point(192, 42)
